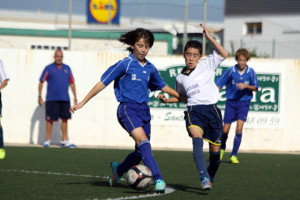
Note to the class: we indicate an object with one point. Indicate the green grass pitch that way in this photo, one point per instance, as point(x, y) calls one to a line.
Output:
point(60, 173)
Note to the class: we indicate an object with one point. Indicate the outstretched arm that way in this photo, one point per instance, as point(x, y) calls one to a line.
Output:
point(170, 91)
point(221, 51)
point(96, 89)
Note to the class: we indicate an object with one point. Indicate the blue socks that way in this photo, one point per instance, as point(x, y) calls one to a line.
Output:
point(214, 162)
point(131, 160)
point(143, 151)
point(224, 139)
point(149, 160)
point(236, 144)
point(1, 138)
point(199, 157)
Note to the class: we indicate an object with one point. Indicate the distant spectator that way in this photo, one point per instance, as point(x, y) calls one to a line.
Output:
point(3, 82)
point(59, 77)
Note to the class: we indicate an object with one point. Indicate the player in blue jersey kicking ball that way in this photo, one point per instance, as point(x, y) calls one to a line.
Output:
point(203, 117)
point(240, 81)
point(133, 77)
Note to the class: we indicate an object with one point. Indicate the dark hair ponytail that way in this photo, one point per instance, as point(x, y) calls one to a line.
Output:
point(133, 36)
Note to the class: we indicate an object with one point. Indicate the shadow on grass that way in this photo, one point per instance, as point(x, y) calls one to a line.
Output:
point(185, 188)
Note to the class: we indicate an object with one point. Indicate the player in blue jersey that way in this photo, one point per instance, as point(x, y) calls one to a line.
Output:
point(59, 78)
point(133, 77)
point(240, 81)
point(203, 117)
point(4, 78)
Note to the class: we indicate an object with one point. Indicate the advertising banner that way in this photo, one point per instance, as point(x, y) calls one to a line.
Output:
point(103, 11)
point(264, 110)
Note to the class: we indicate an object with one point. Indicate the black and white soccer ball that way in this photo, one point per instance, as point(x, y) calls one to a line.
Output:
point(139, 177)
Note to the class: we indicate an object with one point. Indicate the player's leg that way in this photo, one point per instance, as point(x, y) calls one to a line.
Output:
point(2, 150)
point(237, 142)
point(144, 146)
point(242, 112)
point(52, 111)
point(229, 117)
point(195, 120)
point(64, 130)
point(213, 134)
point(199, 158)
point(214, 160)
point(226, 129)
point(49, 126)
point(132, 159)
point(65, 115)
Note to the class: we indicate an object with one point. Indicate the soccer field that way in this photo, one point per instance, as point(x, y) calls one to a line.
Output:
point(58, 173)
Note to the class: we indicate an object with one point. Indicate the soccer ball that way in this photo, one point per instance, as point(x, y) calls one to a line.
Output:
point(139, 177)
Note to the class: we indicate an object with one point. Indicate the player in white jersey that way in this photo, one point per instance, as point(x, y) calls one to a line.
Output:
point(203, 117)
point(3, 82)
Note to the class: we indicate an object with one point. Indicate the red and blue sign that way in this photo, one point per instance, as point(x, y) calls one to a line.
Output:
point(103, 11)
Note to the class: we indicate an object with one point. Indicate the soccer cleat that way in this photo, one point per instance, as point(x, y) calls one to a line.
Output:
point(2, 153)
point(206, 184)
point(234, 160)
point(114, 177)
point(67, 144)
point(160, 186)
point(222, 154)
point(46, 143)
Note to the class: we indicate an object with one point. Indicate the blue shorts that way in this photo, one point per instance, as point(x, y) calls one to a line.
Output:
point(208, 118)
point(57, 109)
point(236, 110)
point(133, 115)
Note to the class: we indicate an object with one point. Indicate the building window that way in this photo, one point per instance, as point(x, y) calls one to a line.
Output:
point(48, 47)
point(254, 28)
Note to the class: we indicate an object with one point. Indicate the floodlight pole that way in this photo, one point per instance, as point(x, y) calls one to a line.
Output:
point(204, 22)
point(70, 24)
point(186, 15)
point(109, 12)
point(56, 13)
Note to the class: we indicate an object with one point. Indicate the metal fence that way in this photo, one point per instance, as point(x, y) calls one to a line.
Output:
point(158, 15)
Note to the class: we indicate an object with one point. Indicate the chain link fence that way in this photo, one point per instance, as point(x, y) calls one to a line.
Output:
point(159, 16)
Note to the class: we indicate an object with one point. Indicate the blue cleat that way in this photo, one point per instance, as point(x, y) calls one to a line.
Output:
point(67, 144)
point(206, 184)
point(160, 186)
point(114, 177)
point(47, 143)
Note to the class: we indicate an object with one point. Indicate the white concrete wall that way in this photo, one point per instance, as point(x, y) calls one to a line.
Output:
point(78, 44)
point(96, 124)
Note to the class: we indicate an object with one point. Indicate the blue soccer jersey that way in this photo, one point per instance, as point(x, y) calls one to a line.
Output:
point(58, 82)
point(132, 80)
point(231, 77)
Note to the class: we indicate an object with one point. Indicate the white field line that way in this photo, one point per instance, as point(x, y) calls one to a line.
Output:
point(168, 189)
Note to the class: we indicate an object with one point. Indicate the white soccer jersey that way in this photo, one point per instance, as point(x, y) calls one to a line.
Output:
point(199, 86)
point(3, 73)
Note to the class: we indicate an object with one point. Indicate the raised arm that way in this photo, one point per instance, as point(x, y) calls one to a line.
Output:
point(221, 51)
point(96, 89)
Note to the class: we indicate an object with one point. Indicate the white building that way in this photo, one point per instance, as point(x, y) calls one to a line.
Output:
point(269, 28)
point(37, 30)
